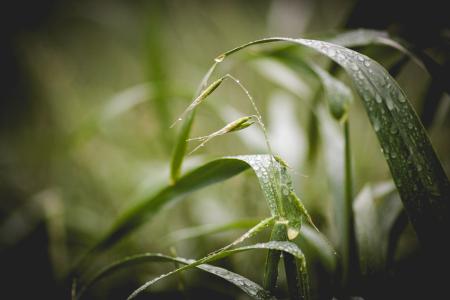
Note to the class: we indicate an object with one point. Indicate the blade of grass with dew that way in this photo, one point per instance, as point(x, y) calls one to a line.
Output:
point(365, 37)
point(415, 167)
point(439, 74)
point(298, 286)
point(210, 173)
point(287, 247)
point(273, 256)
point(308, 236)
point(339, 97)
point(249, 287)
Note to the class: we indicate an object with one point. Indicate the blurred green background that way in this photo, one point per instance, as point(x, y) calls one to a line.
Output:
point(90, 88)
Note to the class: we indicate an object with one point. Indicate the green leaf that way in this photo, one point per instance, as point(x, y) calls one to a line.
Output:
point(180, 147)
point(183, 136)
point(210, 173)
point(375, 215)
point(287, 247)
point(319, 246)
point(273, 256)
point(249, 287)
point(337, 94)
point(415, 168)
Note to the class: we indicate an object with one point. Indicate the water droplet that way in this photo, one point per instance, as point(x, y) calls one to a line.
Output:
point(394, 130)
point(410, 126)
point(331, 52)
point(389, 103)
point(360, 58)
point(376, 125)
point(219, 58)
point(354, 67)
point(179, 119)
point(367, 63)
point(394, 155)
point(378, 98)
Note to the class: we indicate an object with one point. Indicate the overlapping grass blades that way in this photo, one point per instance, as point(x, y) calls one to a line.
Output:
point(249, 287)
point(415, 168)
point(287, 247)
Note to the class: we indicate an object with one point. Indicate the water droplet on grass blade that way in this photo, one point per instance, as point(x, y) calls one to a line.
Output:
point(219, 58)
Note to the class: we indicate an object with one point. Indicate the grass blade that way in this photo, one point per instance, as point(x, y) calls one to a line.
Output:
point(337, 94)
point(210, 173)
point(180, 147)
point(273, 257)
point(288, 247)
point(349, 251)
point(319, 245)
point(249, 287)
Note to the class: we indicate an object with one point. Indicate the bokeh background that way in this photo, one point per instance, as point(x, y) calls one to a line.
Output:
point(90, 88)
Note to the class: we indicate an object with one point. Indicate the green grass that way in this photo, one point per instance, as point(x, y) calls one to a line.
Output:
point(415, 168)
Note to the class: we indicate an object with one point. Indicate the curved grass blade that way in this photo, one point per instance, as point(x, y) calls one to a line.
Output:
point(210, 173)
point(207, 174)
point(415, 168)
point(439, 74)
point(249, 287)
point(287, 247)
point(364, 37)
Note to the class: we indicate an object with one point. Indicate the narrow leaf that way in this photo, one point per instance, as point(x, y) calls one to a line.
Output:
point(249, 287)
point(337, 94)
point(288, 247)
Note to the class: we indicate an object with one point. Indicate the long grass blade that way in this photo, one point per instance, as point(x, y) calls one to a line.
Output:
point(287, 247)
point(279, 233)
point(210, 173)
point(249, 287)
